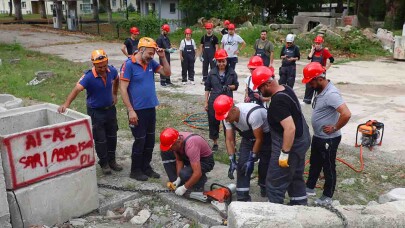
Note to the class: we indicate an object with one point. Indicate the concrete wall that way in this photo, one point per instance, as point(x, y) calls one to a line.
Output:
point(55, 200)
point(39, 143)
point(265, 215)
point(4, 212)
point(304, 20)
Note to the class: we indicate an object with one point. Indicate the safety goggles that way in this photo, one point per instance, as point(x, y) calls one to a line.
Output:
point(101, 57)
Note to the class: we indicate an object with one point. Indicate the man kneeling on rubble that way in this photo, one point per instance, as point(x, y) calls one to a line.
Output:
point(186, 157)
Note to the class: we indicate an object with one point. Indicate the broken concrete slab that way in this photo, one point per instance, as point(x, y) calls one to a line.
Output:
point(38, 143)
point(393, 195)
point(54, 200)
point(4, 212)
point(8, 101)
point(243, 214)
point(141, 218)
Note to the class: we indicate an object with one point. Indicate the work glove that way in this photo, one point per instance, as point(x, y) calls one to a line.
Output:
point(283, 160)
point(214, 61)
point(225, 89)
point(232, 166)
point(201, 58)
point(247, 168)
point(180, 190)
point(176, 183)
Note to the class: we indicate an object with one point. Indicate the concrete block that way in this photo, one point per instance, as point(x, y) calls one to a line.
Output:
point(399, 47)
point(258, 214)
point(4, 212)
point(55, 200)
point(39, 143)
point(393, 195)
point(316, 14)
point(8, 101)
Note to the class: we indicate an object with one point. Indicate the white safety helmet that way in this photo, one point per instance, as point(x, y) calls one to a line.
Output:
point(289, 38)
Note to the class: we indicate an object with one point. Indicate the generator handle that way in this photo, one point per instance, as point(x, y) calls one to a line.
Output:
point(229, 200)
point(357, 134)
point(382, 133)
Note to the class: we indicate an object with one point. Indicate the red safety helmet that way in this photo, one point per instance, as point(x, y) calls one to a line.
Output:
point(134, 30)
point(254, 62)
point(231, 27)
point(208, 25)
point(226, 22)
point(167, 138)
point(220, 54)
point(222, 106)
point(166, 27)
point(311, 71)
point(188, 31)
point(318, 39)
point(261, 75)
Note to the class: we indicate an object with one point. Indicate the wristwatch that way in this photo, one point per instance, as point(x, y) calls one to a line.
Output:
point(286, 152)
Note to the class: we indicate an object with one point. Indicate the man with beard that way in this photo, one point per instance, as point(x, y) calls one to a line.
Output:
point(265, 49)
point(290, 139)
point(330, 114)
point(321, 55)
point(139, 96)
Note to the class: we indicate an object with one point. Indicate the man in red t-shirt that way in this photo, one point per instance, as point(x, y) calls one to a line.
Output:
point(321, 55)
point(186, 157)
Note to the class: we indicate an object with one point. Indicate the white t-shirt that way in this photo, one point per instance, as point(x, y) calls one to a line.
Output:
point(188, 42)
point(251, 83)
point(258, 118)
point(231, 44)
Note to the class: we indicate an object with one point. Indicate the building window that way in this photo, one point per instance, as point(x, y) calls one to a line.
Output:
point(114, 3)
point(172, 7)
point(23, 5)
point(86, 7)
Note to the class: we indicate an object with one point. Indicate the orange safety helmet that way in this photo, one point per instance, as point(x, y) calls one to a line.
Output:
point(167, 138)
point(311, 71)
point(261, 75)
point(318, 39)
point(222, 106)
point(220, 54)
point(254, 62)
point(226, 22)
point(134, 30)
point(166, 27)
point(231, 27)
point(147, 42)
point(98, 56)
point(188, 31)
point(208, 25)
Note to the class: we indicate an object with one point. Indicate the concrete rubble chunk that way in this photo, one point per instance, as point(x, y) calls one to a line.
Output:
point(186, 226)
point(79, 222)
point(396, 194)
point(14, 61)
point(8, 101)
point(264, 214)
point(110, 214)
point(128, 213)
point(141, 218)
point(4, 211)
point(349, 181)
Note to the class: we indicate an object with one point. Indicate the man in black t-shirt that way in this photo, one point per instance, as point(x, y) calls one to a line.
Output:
point(225, 29)
point(290, 139)
point(208, 47)
point(289, 54)
point(131, 44)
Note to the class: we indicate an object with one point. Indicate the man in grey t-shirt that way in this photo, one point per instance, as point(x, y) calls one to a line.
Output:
point(330, 114)
point(250, 120)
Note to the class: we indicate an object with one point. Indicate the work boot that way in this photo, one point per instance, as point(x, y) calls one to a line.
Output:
point(215, 147)
point(152, 174)
point(323, 201)
point(106, 169)
point(114, 166)
point(310, 192)
point(138, 175)
point(263, 192)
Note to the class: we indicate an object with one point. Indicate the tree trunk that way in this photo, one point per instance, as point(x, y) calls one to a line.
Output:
point(364, 13)
point(17, 9)
point(109, 11)
point(59, 13)
point(339, 8)
point(42, 10)
point(95, 9)
point(10, 5)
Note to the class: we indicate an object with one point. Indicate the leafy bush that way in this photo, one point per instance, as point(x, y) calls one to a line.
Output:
point(101, 9)
point(148, 25)
point(131, 8)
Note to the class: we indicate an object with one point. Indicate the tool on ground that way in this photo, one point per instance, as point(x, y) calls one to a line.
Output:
point(372, 133)
point(197, 121)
